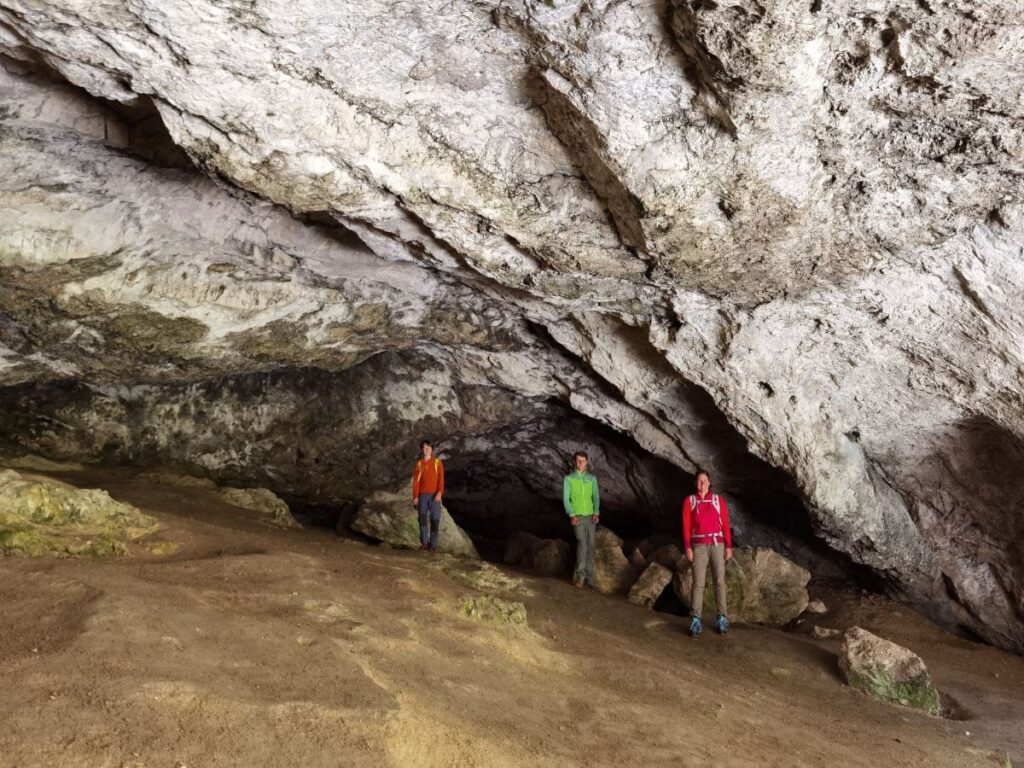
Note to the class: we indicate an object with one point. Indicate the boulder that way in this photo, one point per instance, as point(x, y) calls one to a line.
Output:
point(668, 556)
point(161, 477)
point(650, 585)
point(263, 501)
point(42, 516)
point(613, 573)
point(389, 516)
point(817, 606)
point(637, 560)
point(551, 557)
point(824, 633)
point(887, 671)
point(762, 587)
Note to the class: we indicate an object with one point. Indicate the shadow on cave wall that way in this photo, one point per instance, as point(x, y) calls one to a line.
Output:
point(967, 496)
point(325, 440)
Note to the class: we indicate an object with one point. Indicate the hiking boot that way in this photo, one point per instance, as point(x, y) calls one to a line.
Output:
point(424, 547)
point(696, 625)
point(721, 624)
point(578, 583)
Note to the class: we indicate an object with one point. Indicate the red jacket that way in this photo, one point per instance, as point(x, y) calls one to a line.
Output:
point(427, 477)
point(708, 523)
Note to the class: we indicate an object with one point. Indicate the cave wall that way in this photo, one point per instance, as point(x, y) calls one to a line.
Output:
point(798, 220)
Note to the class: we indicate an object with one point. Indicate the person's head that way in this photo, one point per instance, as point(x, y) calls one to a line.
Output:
point(580, 460)
point(703, 482)
point(426, 449)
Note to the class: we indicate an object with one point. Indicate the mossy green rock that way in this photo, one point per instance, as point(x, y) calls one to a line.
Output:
point(495, 610)
point(40, 516)
point(389, 516)
point(887, 671)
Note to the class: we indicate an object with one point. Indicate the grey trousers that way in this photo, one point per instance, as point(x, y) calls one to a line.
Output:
point(701, 554)
point(585, 534)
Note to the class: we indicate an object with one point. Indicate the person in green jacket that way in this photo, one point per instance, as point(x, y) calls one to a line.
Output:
point(582, 503)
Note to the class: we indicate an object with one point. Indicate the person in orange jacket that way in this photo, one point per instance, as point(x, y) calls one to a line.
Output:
point(427, 489)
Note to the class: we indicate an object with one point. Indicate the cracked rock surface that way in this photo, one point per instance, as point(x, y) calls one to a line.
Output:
point(781, 240)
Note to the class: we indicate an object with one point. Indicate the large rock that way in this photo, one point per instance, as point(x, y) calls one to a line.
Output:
point(264, 502)
point(669, 556)
point(550, 557)
point(762, 587)
point(390, 517)
point(650, 585)
point(40, 516)
point(887, 671)
point(613, 573)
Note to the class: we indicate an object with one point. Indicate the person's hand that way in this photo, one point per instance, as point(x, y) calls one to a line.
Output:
point(437, 498)
point(689, 554)
point(416, 506)
point(597, 519)
point(728, 553)
point(574, 520)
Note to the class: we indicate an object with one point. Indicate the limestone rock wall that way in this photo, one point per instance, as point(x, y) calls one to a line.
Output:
point(795, 225)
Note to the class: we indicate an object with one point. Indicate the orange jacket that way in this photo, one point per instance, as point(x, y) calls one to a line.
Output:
point(427, 477)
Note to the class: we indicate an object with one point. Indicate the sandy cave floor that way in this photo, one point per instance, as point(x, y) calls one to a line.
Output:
point(257, 646)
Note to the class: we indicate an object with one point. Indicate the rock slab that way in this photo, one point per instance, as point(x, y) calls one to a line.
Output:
point(389, 516)
point(887, 671)
point(40, 516)
point(613, 573)
point(650, 585)
point(762, 587)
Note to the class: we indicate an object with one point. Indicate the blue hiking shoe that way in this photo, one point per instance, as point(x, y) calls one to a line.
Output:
point(696, 625)
point(722, 624)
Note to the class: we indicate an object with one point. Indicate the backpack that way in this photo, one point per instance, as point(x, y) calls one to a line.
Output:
point(718, 509)
point(419, 468)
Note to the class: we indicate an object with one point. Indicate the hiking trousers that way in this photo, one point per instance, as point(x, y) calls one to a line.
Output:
point(429, 508)
point(586, 532)
point(701, 554)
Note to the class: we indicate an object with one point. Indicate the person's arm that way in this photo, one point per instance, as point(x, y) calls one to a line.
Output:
point(687, 515)
point(597, 502)
point(440, 480)
point(566, 497)
point(415, 483)
point(726, 528)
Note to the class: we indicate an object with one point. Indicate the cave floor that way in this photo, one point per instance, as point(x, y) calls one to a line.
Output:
point(257, 646)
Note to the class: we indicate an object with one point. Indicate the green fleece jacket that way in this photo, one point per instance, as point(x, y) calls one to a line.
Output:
point(580, 495)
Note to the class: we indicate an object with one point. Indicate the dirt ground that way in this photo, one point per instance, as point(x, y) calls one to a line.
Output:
point(262, 647)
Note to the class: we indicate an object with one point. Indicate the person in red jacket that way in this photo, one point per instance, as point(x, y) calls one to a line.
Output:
point(707, 536)
point(427, 489)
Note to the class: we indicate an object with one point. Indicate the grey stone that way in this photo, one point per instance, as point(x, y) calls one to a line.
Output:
point(613, 573)
point(817, 606)
point(887, 671)
point(824, 633)
point(390, 517)
point(762, 587)
point(668, 556)
point(650, 585)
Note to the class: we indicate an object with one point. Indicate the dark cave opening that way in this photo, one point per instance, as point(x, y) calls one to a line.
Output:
point(504, 466)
